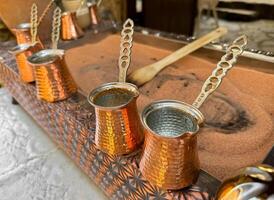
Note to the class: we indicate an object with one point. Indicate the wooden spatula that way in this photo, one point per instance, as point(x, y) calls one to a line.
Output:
point(147, 73)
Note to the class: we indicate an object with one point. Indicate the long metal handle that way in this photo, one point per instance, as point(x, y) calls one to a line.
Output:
point(125, 49)
point(33, 22)
point(56, 24)
point(226, 63)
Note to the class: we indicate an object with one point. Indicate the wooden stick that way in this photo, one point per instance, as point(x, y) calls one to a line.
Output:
point(147, 73)
point(125, 49)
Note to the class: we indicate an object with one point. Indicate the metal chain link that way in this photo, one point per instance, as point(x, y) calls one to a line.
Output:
point(33, 22)
point(56, 24)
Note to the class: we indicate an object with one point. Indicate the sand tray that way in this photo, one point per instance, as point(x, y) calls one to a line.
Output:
point(239, 117)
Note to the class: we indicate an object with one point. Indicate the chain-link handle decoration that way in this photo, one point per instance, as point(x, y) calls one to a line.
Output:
point(33, 22)
point(226, 63)
point(45, 12)
point(56, 24)
point(125, 49)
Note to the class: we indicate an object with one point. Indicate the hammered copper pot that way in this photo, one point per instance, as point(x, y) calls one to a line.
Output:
point(21, 53)
point(170, 155)
point(23, 36)
point(118, 126)
point(53, 79)
point(70, 29)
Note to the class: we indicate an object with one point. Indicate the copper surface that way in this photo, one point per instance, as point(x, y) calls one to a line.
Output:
point(118, 126)
point(93, 11)
point(53, 80)
point(170, 131)
point(231, 115)
point(22, 52)
point(170, 154)
point(70, 29)
point(23, 35)
point(120, 177)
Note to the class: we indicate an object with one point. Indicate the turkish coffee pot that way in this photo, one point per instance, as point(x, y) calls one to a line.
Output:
point(170, 154)
point(118, 126)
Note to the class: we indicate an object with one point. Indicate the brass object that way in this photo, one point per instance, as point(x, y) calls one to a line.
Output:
point(93, 11)
point(33, 22)
point(118, 126)
point(21, 53)
point(53, 79)
point(226, 63)
point(170, 155)
point(125, 49)
point(56, 24)
point(70, 28)
point(255, 182)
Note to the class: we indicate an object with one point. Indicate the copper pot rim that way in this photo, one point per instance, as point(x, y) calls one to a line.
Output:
point(21, 48)
point(22, 27)
point(66, 13)
point(107, 86)
point(187, 108)
point(91, 4)
point(46, 57)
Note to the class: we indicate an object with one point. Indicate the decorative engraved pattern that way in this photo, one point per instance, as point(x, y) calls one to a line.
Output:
point(125, 52)
point(56, 26)
point(226, 63)
point(33, 22)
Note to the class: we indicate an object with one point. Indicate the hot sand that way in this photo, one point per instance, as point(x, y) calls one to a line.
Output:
point(239, 129)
